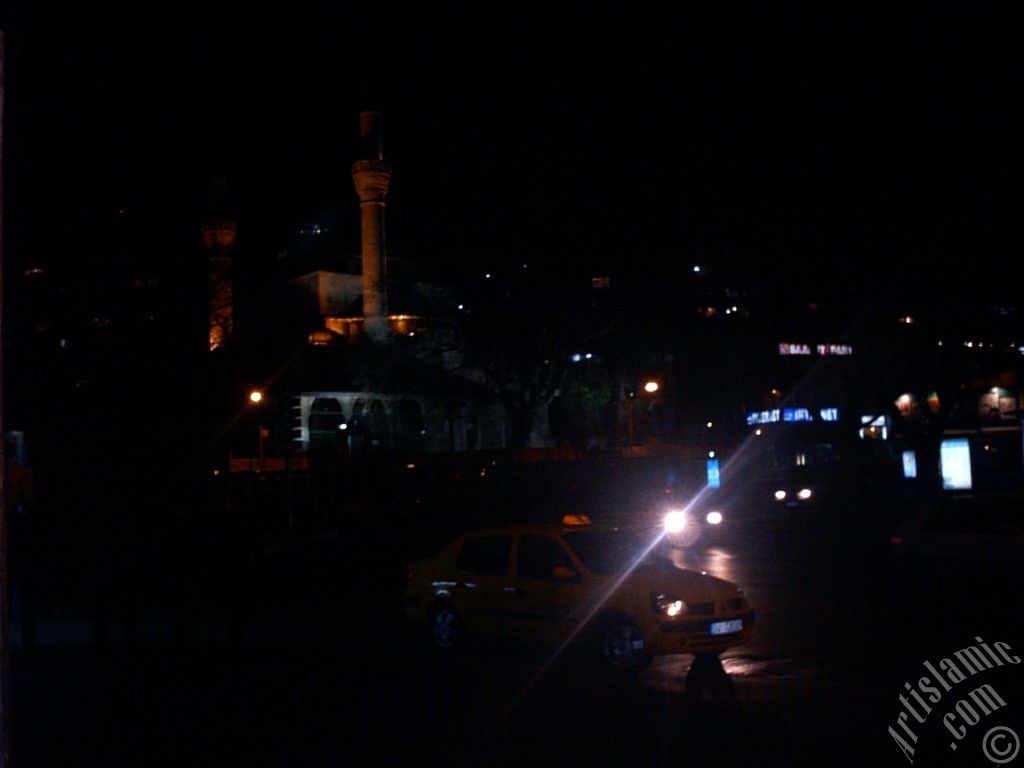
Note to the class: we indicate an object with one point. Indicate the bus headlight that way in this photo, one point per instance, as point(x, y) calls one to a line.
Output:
point(674, 521)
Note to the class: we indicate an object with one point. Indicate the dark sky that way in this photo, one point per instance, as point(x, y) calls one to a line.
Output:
point(870, 145)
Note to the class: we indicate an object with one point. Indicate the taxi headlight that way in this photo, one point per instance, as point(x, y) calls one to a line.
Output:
point(662, 603)
point(714, 518)
point(674, 521)
point(780, 495)
point(805, 494)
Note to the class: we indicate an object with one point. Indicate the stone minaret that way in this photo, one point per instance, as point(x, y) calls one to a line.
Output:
point(371, 176)
point(219, 241)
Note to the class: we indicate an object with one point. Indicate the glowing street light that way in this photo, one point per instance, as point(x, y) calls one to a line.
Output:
point(255, 399)
point(649, 387)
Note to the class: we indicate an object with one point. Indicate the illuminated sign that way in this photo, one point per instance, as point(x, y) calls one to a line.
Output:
point(794, 349)
point(796, 414)
point(835, 349)
point(791, 415)
point(955, 459)
point(763, 417)
point(714, 476)
point(909, 464)
point(824, 350)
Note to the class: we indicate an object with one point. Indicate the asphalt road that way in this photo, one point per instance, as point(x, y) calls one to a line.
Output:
point(327, 673)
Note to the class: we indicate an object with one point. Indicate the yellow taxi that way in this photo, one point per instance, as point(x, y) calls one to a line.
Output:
point(605, 589)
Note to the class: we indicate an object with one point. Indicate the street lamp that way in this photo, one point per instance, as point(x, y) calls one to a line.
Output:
point(256, 399)
point(650, 387)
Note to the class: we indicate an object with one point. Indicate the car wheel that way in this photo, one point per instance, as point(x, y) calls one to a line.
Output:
point(622, 645)
point(445, 628)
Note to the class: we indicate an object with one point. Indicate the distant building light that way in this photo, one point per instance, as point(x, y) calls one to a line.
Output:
point(714, 472)
point(588, 355)
point(577, 357)
point(343, 426)
point(762, 417)
point(906, 403)
point(256, 396)
point(841, 350)
point(650, 387)
point(796, 415)
point(601, 282)
point(757, 432)
point(909, 464)
point(786, 348)
point(825, 350)
point(696, 267)
point(487, 276)
point(955, 462)
point(874, 427)
point(906, 320)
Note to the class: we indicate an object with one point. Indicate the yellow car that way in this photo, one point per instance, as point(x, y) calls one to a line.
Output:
point(604, 588)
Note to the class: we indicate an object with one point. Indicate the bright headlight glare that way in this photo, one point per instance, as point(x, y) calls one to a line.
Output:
point(662, 603)
point(805, 493)
point(714, 518)
point(780, 495)
point(674, 521)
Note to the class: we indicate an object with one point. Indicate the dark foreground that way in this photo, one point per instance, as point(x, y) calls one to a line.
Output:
point(320, 669)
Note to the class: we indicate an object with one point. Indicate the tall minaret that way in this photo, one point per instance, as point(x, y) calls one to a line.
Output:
point(219, 241)
point(371, 177)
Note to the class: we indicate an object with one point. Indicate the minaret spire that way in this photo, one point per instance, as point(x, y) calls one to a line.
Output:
point(219, 233)
point(372, 176)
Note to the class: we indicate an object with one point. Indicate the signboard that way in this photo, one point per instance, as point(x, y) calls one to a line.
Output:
point(909, 464)
point(822, 350)
point(791, 415)
point(955, 457)
point(714, 474)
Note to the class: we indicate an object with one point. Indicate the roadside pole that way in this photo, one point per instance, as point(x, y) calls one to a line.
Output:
point(4, 586)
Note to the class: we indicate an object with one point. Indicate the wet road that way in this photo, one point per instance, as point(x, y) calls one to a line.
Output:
point(330, 674)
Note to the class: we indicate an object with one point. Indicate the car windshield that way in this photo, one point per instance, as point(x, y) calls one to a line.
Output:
point(607, 552)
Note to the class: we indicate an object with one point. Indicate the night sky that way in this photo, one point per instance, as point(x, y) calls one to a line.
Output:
point(871, 147)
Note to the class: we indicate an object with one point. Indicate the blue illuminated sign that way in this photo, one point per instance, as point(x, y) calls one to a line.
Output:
point(714, 478)
point(792, 415)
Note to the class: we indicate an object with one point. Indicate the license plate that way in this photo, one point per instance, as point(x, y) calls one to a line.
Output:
point(726, 627)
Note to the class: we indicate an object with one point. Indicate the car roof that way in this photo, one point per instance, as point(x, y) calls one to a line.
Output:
point(537, 527)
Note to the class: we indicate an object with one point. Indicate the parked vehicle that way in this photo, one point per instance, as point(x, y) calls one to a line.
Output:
point(601, 588)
